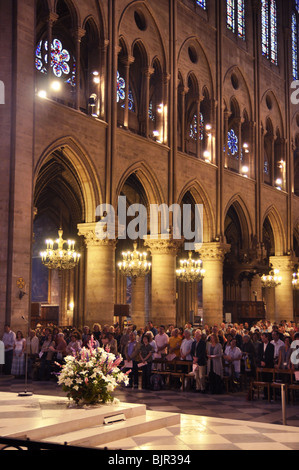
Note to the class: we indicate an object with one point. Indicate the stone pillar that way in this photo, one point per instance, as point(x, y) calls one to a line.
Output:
point(163, 279)
point(138, 302)
point(212, 255)
point(284, 304)
point(78, 34)
point(99, 277)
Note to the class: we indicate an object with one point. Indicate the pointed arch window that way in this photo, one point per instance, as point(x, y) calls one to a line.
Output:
point(295, 41)
point(235, 17)
point(270, 30)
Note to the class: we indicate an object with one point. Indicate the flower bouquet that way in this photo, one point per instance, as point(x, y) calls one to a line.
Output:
point(91, 375)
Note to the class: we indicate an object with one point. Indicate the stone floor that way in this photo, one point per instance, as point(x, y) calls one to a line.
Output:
point(208, 422)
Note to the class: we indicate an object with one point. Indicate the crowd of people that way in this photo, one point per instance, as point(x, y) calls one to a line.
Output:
point(214, 351)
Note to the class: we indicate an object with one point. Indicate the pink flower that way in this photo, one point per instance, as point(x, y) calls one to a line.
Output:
point(86, 380)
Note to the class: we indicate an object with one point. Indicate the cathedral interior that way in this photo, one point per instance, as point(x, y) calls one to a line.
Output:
point(163, 102)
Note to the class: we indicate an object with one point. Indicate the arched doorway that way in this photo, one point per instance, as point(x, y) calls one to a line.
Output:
point(64, 197)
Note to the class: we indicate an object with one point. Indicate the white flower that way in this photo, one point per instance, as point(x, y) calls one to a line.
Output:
point(68, 382)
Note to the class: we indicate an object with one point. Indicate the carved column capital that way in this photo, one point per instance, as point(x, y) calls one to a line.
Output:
point(94, 238)
point(213, 251)
point(163, 246)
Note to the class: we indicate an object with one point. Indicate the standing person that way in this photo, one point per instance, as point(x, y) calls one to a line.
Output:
point(151, 328)
point(146, 357)
point(32, 351)
point(277, 343)
point(266, 360)
point(232, 357)
point(175, 342)
point(162, 341)
point(185, 351)
point(215, 367)
point(199, 354)
point(9, 340)
point(19, 349)
point(46, 356)
point(132, 350)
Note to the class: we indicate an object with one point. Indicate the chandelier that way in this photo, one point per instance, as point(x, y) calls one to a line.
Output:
point(272, 280)
point(190, 270)
point(56, 257)
point(134, 264)
point(295, 280)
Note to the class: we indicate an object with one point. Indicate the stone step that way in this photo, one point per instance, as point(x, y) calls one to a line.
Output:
point(103, 435)
point(67, 420)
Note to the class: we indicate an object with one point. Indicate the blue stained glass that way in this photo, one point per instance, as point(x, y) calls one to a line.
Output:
point(121, 85)
point(266, 167)
point(241, 19)
point(235, 17)
point(269, 30)
point(202, 3)
point(195, 128)
point(297, 5)
point(233, 142)
point(151, 112)
point(59, 58)
point(130, 102)
point(295, 47)
point(121, 93)
point(273, 27)
point(231, 12)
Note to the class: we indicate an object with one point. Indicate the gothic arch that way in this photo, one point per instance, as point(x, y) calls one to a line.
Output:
point(84, 173)
point(192, 58)
point(148, 180)
point(274, 218)
point(200, 197)
point(244, 218)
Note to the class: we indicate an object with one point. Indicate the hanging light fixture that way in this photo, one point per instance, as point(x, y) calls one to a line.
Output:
point(190, 270)
point(134, 264)
point(271, 280)
point(295, 280)
point(56, 257)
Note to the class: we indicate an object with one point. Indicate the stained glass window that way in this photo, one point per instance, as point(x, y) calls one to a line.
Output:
point(233, 143)
point(269, 30)
point(231, 15)
point(202, 3)
point(121, 93)
point(297, 5)
point(294, 46)
point(273, 31)
point(121, 86)
point(196, 127)
point(151, 112)
point(63, 64)
point(235, 17)
point(266, 167)
point(241, 19)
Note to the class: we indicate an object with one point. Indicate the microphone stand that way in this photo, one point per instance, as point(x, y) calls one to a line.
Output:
point(26, 393)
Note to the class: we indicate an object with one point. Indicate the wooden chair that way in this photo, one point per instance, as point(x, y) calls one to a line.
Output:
point(260, 384)
point(279, 378)
point(293, 387)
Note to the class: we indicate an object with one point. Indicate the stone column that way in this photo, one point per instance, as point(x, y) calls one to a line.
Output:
point(99, 277)
point(78, 34)
point(127, 63)
point(284, 304)
point(163, 279)
point(212, 255)
point(138, 302)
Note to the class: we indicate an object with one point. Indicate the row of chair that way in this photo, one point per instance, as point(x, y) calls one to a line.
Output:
point(273, 382)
